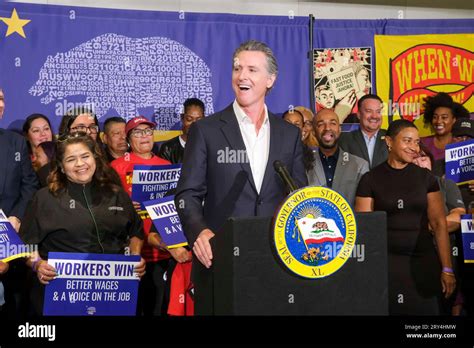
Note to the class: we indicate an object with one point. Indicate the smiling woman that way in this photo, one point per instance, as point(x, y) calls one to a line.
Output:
point(37, 130)
point(82, 188)
point(441, 112)
point(410, 196)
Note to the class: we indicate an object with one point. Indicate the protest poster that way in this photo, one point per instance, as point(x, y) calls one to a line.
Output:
point(11, 245)
point(166, 220)
point(467, 230)
point(153, 181)
point(460, 161)
point(92, 284)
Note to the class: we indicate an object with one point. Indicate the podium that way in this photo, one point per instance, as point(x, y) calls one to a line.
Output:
point(248, 278)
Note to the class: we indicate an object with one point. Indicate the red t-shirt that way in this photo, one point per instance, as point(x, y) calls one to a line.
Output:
point(124, 167)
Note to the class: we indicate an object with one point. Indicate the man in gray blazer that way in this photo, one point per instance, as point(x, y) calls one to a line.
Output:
point(368, 141)
point(332, 166)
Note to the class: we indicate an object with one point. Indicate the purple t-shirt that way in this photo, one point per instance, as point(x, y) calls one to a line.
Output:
point(429, 143)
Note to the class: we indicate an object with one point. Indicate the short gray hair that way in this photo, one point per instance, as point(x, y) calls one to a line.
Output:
point(253, 45)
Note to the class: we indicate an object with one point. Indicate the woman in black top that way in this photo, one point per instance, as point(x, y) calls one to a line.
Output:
point(82, 210)
point(410, 196)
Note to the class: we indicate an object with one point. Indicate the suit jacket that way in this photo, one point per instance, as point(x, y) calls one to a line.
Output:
point(354, 143)
point(18, 181)
point(216, 183)
point(227, 187)
point(172, 150)
point(349, 170)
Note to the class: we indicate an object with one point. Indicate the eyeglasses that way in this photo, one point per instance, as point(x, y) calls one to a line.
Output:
point(92, 128)
point(65, 137)
point(138, 133)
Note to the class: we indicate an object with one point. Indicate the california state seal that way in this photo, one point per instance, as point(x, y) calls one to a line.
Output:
point(315, 231)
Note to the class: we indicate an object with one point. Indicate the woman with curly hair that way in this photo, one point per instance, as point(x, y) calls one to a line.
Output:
point(83, 210)
point(441, 111)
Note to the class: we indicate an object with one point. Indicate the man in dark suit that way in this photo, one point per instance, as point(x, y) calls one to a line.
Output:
point(368, 141)
point(173, 149)
point(18, 183)
point(228, 161)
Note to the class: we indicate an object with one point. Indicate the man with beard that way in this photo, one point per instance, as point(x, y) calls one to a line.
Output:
point(368, 141)
point(333, 167)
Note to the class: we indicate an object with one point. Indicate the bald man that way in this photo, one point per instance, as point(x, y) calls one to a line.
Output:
point(333, 167)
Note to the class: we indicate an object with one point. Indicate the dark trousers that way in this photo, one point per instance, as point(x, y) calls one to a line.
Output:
point(17, 286)
point(153, 291)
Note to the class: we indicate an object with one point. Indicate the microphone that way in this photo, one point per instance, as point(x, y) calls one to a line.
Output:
point(282, 172)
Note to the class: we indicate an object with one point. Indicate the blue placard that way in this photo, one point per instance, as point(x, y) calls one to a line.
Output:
point(460, 161)
point(153, 182)
point(92, 284)
point(11, 245)
point(166, 220)
point(467, 228)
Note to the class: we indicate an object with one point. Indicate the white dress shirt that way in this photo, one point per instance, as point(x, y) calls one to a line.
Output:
point(256, 145)
point(370, 143)
point(182, 142)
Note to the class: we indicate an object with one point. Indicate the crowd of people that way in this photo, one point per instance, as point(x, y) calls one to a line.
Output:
point(393, 170)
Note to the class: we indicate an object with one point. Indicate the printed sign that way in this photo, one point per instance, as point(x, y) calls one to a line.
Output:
point(460, 161)
point(467, 237)
point(92, 284)
point(11, 246)
point(153, 182)
point(166, 220)
point(341, 77)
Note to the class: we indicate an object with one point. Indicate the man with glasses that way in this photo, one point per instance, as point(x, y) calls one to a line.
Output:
point(173, 149)
point(151, 296)
point(115, 138)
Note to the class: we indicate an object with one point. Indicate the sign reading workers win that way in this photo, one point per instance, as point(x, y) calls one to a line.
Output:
point(92, 284)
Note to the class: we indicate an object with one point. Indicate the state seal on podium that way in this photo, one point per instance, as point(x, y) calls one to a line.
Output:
point(314, 232)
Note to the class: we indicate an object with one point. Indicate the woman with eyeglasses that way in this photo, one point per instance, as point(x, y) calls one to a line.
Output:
point(139, 133)
point(417, 276)
point(83, 120)
point(74, 213)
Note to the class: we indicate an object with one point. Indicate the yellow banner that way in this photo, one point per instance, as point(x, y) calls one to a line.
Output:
point(411, 67)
